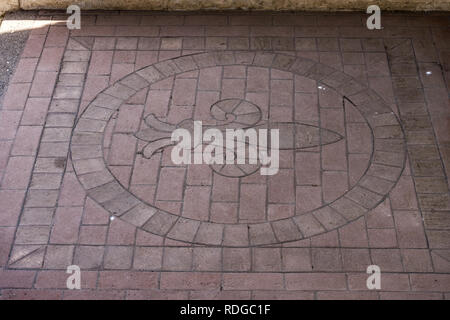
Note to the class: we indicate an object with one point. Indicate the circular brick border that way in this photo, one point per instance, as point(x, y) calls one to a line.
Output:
point(380, 177)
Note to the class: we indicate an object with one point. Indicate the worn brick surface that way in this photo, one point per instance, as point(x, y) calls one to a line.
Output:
point(364, 179)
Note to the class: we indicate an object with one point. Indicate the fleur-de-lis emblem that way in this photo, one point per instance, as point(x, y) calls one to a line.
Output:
point(235, 114)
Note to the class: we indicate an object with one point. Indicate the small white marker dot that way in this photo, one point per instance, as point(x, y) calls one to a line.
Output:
point(111, 218)
point(428, 72)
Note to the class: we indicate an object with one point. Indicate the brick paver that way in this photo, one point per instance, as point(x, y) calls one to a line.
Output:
point(364, 160)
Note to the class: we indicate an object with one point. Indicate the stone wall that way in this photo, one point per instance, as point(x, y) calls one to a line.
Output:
point(9, 5)
point(316, 5)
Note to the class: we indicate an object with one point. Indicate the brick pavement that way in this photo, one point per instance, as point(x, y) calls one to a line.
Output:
point(368, 184)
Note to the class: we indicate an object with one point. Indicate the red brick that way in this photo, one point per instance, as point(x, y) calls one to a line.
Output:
point(416, 260)
point(121, 233)
point(281, 93)
point(94, 295)
point(334, 185)
point(282, 295)
point(330, 295)
point(219, 295)
point(207, 259)
point(5, 147)
point(236, 259)
point(94, 85)
point(33, 47)
point(280, 211)
point(281, 186)
point(143, 31)
point(35, 111)
point(198, 175)
point(43, 84)
point(145, 58)
point(170, 185)
point(50, 59)
point(252, 201)
point(158, 102)
point(388, 260)
point(267, 259)
point(381, 216)
point(16, 279)
point(184, 92)
point(179, 31)
point(328, 239)
point(6, 240)
point(266, 31)
point(355, 259)
point(145, 170)
point(224, 212)
point(382, 238)
point(196, 203)
point(147, 258)
point(94, 213)
point(403, 195)
point(359, 138)
point(89, 257)
point(156, 295)
point(296, 259)
point(72, 193)
point(316, 281)
point(58, 279)
point(100, 63)
point(326, 259)
point(92, 235)
point(24, 70)
point(58, 257)
point(31, 294)
point(410, 229)
point(253, 281)
point(177, 259)
point(57, 36)
point(104, 43)
point(67, 221)
point(17, 173)
point(225, 188)
point(27, 140)
point(129, 118)
point(354, 234)
point(9, 121)
point(11, 204)
point(389, 281)
point(127, 280)
point(430, 282)
point(233, 88)
point(210, 79)
point(410, 296)
point(144, 238)
point(122, 150)
point(16, 96)
point(307, 198)
point(333, 156)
